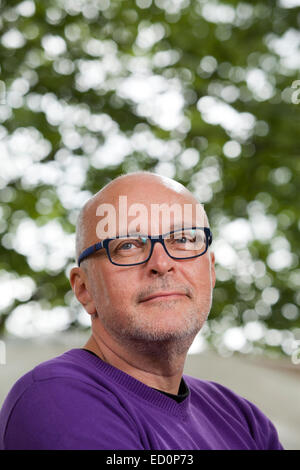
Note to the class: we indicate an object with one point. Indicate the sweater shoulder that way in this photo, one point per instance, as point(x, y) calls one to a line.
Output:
point(67, 365)
point(64, 403)
point(67, 368)
point(224, 400)
point(218, 394)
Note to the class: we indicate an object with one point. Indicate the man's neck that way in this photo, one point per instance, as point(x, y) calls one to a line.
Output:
point(157, 372)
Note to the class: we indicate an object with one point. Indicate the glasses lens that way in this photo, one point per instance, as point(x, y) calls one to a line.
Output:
point(129, 250)
point(186, 243)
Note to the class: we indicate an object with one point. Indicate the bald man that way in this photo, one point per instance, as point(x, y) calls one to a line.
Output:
point(145, 275)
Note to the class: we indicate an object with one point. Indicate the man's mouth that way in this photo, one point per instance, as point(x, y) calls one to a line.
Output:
point(163, 296)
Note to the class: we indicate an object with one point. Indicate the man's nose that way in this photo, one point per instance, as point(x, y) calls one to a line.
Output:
point(160, 262)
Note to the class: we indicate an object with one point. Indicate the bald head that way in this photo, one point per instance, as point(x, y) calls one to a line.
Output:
point(140, 188)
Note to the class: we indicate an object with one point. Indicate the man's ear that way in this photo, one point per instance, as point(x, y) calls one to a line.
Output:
point(212, 269)
point(79, 283)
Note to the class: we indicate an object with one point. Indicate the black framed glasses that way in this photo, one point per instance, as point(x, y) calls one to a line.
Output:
point(131, 250)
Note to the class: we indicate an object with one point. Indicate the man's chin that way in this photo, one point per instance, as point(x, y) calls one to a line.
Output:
point(163, 343)
point(164, 331)
point(157, 328)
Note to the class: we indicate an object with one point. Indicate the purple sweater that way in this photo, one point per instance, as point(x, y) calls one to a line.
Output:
point(77, 401)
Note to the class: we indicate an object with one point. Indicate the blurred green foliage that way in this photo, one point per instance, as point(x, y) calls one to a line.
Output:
point(237, 60)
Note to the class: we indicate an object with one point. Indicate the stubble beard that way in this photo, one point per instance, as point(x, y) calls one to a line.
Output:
point(161, 337)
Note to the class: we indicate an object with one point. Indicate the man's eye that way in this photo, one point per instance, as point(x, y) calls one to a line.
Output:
point(125, 246)
point(130, 245)
point(184, 240)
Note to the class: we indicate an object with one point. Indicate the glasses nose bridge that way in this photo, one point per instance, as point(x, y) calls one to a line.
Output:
point(155, 240)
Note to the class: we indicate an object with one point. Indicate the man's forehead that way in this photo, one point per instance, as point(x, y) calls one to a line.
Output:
point(145, 190)
point(148, 205)
point(147, 217)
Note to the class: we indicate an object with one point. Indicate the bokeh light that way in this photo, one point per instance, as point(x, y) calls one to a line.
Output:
point(199, 91)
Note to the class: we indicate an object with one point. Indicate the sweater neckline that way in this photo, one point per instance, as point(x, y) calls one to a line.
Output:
point(183, 391)
point(138, 388)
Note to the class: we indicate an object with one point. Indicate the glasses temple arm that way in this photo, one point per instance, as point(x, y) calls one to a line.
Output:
point(89, 251)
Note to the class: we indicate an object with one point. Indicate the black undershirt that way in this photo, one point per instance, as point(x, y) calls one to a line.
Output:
point(183, 391)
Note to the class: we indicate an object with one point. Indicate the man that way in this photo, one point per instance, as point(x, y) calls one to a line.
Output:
point(148, 289)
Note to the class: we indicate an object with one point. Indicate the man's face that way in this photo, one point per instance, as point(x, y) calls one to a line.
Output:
point(161, 300)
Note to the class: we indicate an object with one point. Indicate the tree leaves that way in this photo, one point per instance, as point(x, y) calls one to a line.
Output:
point(206, 76)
